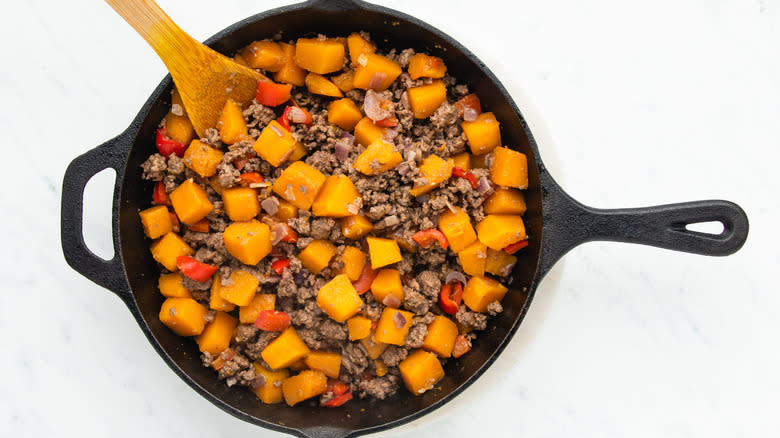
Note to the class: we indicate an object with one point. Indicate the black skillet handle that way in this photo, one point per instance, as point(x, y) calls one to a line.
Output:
point(106, 273)
point(568, 223)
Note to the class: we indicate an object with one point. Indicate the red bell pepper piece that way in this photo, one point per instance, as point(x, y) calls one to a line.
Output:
point(175, 227)
point(470, 102)
point(200, 227)
point(338, 401)
point(461, 347)
point(272, 321)
point(159, 195)
point(457, 172)
point(295, 114)
point(389, 122)
point(291, 236)
point(272, 94)
point(337, 387)
point(251, 178)
point(517, 246)
point(225, 356)
point(240, 162)
point(166, 146)
point(194, 269)
point(425, 238)
point(450, 296)
point(279, 265)
point(363, 283)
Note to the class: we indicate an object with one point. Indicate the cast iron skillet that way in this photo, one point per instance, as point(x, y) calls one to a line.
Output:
point(556, 223)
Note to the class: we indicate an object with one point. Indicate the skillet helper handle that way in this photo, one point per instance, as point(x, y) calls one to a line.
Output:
point(106, 273)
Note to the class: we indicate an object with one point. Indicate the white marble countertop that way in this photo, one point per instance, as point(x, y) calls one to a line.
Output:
point(633, 103)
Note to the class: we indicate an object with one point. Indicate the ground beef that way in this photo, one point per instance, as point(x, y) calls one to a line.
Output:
point(472, 320)
point(380, 387)
point(393, 355)
point(154, 167)
point(494, 308)
point(321, 227)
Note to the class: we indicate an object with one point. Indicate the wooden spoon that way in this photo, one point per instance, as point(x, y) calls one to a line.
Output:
point(205, 79)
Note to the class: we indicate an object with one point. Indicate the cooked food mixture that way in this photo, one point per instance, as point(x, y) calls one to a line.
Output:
point(346, 234)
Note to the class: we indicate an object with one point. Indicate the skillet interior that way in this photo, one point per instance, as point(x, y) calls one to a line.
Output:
point(389, 29)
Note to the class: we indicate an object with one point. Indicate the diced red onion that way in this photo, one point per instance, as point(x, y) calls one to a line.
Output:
point(276, 253)
point(399, 319)
point(296, 115)
point(391, 221)
point(469, 114)
point(506, 270)
point(455, 276)
point(410, 155)
point(422, 199)
point(389, 135)
point(483, 186)
point(258, 382)
point(272, 278)
point(276, 130)
point(376, 80)
point(375, 107)
point(341, 150)
point(451, 207)
point(299, 278)
point(278, 233)
point(392, 301)
point(270, 205)
point(403, 169)
point(347, 135)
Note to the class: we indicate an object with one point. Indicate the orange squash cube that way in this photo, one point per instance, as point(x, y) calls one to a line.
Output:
point(249, 313)
point(264, 55)
point(179, 127)
point(367, 132)
point(299, 365)
point(355, 227)
point(501, 230)
point(339, 299)
point(202, 158)
point(286, 211)
point(435, 170)
point(184, 316)
point(290, 73)
point(378, 157)
point(216, 336)
point(316, 256)
point(231, 124)
point(275, 144)
point(357, 45)
point(327, 362)
point(420, 371)
point(241, 203)
point(190, 202)
point(299, 184)
point(505, 201)
point(478, 161)
point(373, 347)
point(345, 81)
point(483, 134)
point(297, 153)
point(242, 288)
point(319, 56)
point(499, 263)
point(387, 330)
point(425, 66)
point(509, 168)
point(387, 282)
point(249, 241)
point(358, 327)
point(457, 228)
point(307, 384)
point(156, 221)
point(425, 99)
point(319, 84)
point(473, 259)
point(286, 349)
point(344, 113)
point(375, 72)
point(271, 392)
point(481, 291)
point(383, 252)
point(441, 335)
point(168, 248)
point(216, 302)
point(462, 160)
point(338, 197)
point(171, 286)
point(354, 260)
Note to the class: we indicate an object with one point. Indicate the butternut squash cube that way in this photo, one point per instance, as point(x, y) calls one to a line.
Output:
point(286, 349)
point(231, 124)
point(355, 227)
point(478, 161)
point(425, 99)
point(265, 55)
point(179, 127)
point(457, 228)
point(299, 365)
point(345, 81)
point(483, 134)
point(354, 260)
point(338, 197)
point(462, 160)
point(290, 73)
point(242, 288)
point(297, 153)
point(425, 66)
point(383, 252)
point(214, 184)
point(190, 202)
point(499, 263)
point(387, 282)
point(420, 371)
point(171, 286)
point(501, 230)
point(357, 45)
point(319, 84)
point(375, 72)
point(248, 314)
point(339, 299)
point(327, 362)
point(286, 211)
point(271, 392)
point(216, 302)
point(299, 184)
point(241, 203)
point(168, 248)
point(373, 347)
point(316, 256)
point(184, 316)
point(481, 291)
point(275, 144)
point(387, 330)
point(319, 56)
point(509, 168)
point(367, 132)
point(378, 157)
point(441, 336)
point(359, 327)
point(344, 113)
point(381, 368)
point(202, 158)
point(249, 241)
point(473, 259)
point(505, 201)
point(156, 221)
point(305, 385)
point(216, 336)
point(435, 170)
